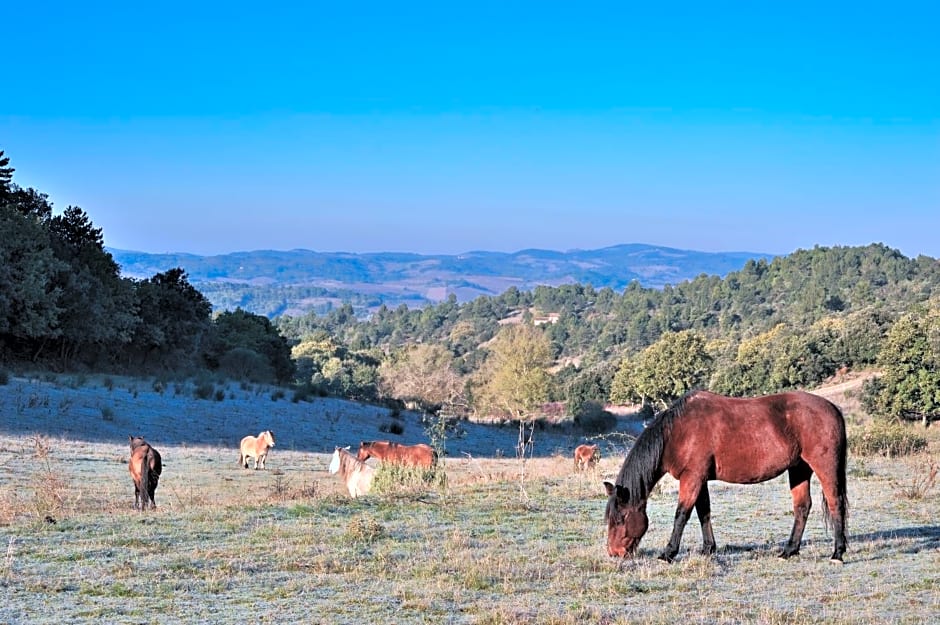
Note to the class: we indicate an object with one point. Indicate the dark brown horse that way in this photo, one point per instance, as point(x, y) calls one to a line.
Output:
point(705, 437)
point(420, 455)
point(145, 466)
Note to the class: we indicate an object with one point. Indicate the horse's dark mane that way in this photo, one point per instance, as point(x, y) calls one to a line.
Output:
point(643, 466)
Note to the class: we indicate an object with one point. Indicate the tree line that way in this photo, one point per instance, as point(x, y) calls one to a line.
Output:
point(65, 306)
point(553, 351)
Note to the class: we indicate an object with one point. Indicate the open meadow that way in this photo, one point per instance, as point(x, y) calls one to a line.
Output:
point(502, 543)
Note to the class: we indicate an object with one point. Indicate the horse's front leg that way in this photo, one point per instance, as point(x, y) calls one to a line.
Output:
point(703, 507)
point(688, 496)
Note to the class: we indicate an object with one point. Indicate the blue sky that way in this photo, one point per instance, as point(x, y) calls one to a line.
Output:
point(445, 127)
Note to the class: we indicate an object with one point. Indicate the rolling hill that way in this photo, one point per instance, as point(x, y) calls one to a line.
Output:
point(298, 281)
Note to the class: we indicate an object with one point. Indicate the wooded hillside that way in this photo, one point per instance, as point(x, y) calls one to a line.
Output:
point(552, 351)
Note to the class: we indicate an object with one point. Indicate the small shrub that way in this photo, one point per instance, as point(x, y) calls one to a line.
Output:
point(107, 413)
point(305, 392)
point(277, 394)
point(887, 439)
point(204, 390)
point(392, 427)
point(41, 446)
point(398, 479)
point(108, 383)
point(219, 394)
point(364, 530)
point(4, 377)
point(921, 483)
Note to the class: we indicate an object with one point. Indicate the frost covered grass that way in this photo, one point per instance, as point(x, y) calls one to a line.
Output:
point(228, 545)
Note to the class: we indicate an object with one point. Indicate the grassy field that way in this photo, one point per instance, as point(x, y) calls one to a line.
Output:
point(286, 545)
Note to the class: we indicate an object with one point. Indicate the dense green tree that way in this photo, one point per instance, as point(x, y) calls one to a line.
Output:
point(424, 375)
point(516, 380)
point(909, 387)
point(96, 305)
point(174, 319)
point(677, 363)
point(247, 332)
point(29, 300)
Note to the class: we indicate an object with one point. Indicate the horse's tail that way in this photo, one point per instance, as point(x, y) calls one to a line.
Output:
point(144, 479)
point(842, 494)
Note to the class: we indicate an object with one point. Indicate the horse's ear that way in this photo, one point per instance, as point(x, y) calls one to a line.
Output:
point(346, 447)
point(616, 489)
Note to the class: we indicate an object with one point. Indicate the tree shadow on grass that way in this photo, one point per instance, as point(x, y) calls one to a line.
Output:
point(909, 540)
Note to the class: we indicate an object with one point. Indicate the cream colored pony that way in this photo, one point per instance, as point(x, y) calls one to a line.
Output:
point(256, 447)
point(355, 473)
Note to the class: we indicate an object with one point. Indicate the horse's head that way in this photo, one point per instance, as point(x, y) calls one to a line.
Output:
point(334, 463)
point(365, 449)
point(136, 441)
point(268, 437)
point(626, 522)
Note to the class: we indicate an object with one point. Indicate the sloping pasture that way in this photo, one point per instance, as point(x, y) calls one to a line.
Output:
point(496, 546)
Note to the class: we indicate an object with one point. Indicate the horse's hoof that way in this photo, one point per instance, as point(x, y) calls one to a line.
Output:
point(666, 558)
point(786, 555)
point(836, 560)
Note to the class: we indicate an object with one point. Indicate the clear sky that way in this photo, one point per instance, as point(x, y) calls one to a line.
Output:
point(446, 127)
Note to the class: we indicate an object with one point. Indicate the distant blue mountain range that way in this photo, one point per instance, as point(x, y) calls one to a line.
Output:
point(298, 281)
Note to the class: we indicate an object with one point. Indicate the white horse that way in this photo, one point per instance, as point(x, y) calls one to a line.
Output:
point(356, 474)
point(256, 447)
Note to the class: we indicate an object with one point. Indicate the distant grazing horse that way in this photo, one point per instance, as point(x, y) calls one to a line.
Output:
point(145, 466)
point(256, 447)
point(586, 457)
point(704, 437)
point(356, 474)
point(419, 455)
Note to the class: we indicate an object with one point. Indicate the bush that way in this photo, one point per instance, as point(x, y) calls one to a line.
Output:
point(397, 479)
point(364, 530)
point(392, 427)
point(204, 390)
point(246, 364)
point(593, 419)
point(4, 377)
point(887, 439)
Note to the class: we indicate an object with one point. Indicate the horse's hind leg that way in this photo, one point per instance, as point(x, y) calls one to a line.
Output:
point(703, 508)
point(799, 477)
point(836, 511)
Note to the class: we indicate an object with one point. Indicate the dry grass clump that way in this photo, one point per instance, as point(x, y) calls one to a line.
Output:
point(364, 529)
point(921, 483)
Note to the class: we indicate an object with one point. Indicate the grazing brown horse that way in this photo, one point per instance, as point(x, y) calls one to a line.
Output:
point(356, 474)
point(704, 437)
point(420, 455)
point(586, 457)
point(145, 466)
point(256, 447)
